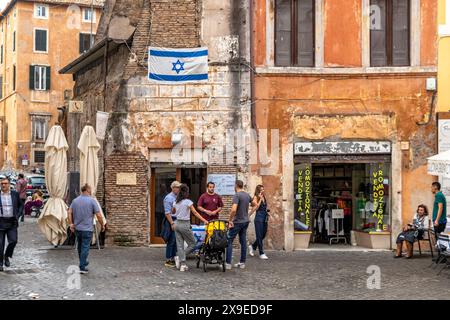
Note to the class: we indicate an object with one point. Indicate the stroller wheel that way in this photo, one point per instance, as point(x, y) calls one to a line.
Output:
point(224, 268)
point(204, 266)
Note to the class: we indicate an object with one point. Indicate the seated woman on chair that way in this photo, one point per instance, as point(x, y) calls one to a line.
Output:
point(413, 231)
point(37, 201)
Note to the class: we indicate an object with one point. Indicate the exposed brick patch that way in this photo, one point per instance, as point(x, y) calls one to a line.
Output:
point(126, 206)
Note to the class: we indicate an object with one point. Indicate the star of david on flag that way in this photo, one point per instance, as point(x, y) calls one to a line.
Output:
point(178, 66)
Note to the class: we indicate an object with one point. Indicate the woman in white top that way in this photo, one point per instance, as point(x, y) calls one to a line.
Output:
point(182, 209)
point(413, 231)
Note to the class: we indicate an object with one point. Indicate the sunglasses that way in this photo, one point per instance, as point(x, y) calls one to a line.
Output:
point(5, 183)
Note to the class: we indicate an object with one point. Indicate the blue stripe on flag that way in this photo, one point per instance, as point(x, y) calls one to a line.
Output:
point(178, 54)
point(190, 77)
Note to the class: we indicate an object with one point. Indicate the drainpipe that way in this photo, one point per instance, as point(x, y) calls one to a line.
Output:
point(252, 72)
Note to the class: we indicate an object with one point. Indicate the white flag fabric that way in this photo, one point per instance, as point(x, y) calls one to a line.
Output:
point(178, 66)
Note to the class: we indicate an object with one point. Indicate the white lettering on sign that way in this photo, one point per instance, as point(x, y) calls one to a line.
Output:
point(444, 29)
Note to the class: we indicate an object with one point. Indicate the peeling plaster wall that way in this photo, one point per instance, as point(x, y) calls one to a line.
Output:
point(144, 114)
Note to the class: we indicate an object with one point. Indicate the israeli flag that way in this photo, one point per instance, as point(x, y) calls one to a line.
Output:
point(178, 66)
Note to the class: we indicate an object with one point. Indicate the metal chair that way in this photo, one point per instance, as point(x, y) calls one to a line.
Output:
point(428, 235)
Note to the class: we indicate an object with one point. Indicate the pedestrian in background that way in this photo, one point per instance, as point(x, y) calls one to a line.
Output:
point(182, 209)
point(210, 204)
point(238, 224)
point(439, 209)
point(170, 238)
point(9, 222)
point(81, 219)
point(261, 222)
point(21, 188)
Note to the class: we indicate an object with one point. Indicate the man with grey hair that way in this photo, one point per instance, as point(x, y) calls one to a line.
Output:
point(171, 242)
point(81, 219)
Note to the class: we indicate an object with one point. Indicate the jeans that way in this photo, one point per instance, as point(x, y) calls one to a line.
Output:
point(22, 209)
point(171, 246)
point(11, 234)
point(439, 229)
point(261, 231)
point(183, 231)
point(241, 229)
point(83, 245)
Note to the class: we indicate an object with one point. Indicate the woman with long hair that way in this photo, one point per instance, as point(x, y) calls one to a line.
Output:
point(413, 231)
point(261, 222)
point(182, 209)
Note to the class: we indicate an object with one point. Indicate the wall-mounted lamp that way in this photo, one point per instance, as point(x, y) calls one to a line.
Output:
point(177, 136)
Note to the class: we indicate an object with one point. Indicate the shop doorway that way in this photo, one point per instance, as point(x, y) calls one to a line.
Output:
point(335, 200)
point(161, 178)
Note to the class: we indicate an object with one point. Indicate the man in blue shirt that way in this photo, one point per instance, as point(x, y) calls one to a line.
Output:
point(171, 243)
point(439, 209)
point(81, 220)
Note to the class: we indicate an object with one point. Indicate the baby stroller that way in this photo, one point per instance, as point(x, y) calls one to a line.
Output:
point(213, 248)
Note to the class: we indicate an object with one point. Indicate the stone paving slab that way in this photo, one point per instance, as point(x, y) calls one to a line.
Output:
point(139, 273)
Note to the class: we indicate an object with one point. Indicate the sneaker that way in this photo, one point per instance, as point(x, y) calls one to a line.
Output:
point(170, 264)
point(1, 269)
point(7, 262)
point(177, 262)
point(227, 266)
point(250, 251)
point(263, 257)
point(240, 265)
point(85, 271)
point(184, 268)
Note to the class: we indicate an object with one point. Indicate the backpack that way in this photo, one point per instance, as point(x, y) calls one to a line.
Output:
point(218, 240)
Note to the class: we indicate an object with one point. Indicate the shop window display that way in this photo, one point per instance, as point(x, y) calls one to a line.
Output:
point(361, 190)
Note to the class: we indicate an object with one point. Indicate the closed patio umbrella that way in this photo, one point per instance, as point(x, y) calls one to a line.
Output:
point(53, 220)
point(89, 172)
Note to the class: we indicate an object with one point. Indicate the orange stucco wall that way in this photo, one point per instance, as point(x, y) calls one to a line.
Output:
point(389, 106)
point(342, 48)
point(64, 27)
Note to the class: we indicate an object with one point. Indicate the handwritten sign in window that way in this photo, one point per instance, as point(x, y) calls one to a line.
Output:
point(378, 176)
point(302, 214)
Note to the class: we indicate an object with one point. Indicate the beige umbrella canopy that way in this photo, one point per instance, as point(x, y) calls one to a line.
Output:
point(53, 220)
point(89, 172)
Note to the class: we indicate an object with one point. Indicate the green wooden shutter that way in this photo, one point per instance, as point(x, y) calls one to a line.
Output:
point(81, 43)
point(47, 80)
point(31, 77)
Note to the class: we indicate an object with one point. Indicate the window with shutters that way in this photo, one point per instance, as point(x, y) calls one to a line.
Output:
point(86, 42)
point(39, 156)
point(41, 40)
point(1, 87)
point(14, 42)
point(40, 128)
point(389, 33)
point(39, 78)
point(295, 33)
point(1, 54)
point(14, 78)
point(88, 15)
point(40, 11)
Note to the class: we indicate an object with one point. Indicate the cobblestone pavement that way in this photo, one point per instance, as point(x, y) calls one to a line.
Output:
point(139, 273)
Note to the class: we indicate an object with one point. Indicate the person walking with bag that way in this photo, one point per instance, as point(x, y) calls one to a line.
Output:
point(261, 222)
point(182, 209)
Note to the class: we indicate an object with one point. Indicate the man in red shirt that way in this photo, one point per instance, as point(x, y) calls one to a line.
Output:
point(210, 203)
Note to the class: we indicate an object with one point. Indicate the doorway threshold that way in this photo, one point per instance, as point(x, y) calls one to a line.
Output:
point(340, 248)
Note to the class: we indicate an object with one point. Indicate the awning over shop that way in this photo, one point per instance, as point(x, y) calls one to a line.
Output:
point(439, 165)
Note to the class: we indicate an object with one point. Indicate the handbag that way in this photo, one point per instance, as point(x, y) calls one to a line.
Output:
point(166, 230)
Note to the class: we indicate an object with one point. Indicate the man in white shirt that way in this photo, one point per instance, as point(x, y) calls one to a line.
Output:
point(9, 221)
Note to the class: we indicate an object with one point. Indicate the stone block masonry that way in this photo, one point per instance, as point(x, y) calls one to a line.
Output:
point(126, 206)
